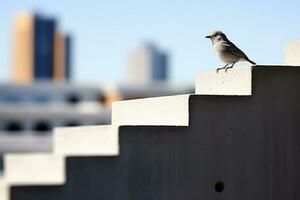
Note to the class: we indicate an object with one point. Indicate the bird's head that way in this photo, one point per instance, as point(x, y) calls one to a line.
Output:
point(217, 36)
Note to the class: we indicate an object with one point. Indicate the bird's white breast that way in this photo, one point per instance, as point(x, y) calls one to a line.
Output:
point(219, 48)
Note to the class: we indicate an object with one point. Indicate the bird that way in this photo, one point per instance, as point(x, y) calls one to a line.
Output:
point(228, 52)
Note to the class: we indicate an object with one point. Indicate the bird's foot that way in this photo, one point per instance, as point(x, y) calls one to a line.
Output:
point(218, 69)
point(226, 68)
point(221, 68)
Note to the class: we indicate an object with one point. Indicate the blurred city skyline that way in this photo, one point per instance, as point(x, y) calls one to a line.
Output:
point(106, 32)
point(41, 52)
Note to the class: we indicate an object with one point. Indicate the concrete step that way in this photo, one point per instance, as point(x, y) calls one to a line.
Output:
point(4, 190)
point(158, 111)
point(49, 169)
point(292, 52)
point(34, 169)
point(236, 81)
point(86, 141)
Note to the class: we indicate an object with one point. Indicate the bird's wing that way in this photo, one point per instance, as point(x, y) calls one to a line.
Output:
point(231, 48)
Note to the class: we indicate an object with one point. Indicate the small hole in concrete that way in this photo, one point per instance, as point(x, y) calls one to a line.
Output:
point(219, 186)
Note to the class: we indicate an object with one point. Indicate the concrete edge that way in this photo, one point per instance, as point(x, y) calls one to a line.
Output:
point(157, 111)
point(86, 141)
point(34, 169)
point(291, 52)
point(236, 81)
point(4, 190)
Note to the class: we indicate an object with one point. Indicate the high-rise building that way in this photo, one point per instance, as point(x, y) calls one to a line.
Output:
point(68, 57)
point(62, 57)
point(23, 54)
point(147, 64)
point(41, 52)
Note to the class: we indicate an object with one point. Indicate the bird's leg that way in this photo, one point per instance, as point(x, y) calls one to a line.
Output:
point(221, 68)
point(226, 68)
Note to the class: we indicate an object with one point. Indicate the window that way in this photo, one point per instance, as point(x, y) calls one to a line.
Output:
point(73, 99)
point(42, 126)
point(14, 126)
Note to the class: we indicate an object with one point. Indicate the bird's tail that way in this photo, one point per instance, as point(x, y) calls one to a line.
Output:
point(250, 61)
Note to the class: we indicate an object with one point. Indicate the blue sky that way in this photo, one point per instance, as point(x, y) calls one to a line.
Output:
point(105, 32)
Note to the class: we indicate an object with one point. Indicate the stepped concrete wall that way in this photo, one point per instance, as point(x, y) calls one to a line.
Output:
point(234, 147)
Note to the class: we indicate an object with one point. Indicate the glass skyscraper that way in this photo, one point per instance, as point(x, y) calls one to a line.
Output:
point(44, 37)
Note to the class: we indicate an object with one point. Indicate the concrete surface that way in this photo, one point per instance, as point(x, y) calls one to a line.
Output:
point(86, 140)
point(292, 53)
point(34, 169)
point(159, 111)
point(4, 190)
point(236, 81)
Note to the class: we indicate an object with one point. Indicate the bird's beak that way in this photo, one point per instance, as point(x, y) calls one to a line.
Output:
point(208, 36)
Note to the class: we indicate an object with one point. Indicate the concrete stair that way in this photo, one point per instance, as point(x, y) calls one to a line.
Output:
point(235, 138)
point(4, 190)
point(292, 51)
point(101, 140)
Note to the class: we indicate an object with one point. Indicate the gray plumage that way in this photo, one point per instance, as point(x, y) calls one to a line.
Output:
point(226, 50)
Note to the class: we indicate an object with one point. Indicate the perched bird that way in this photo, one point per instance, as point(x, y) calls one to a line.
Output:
point(227, 51)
